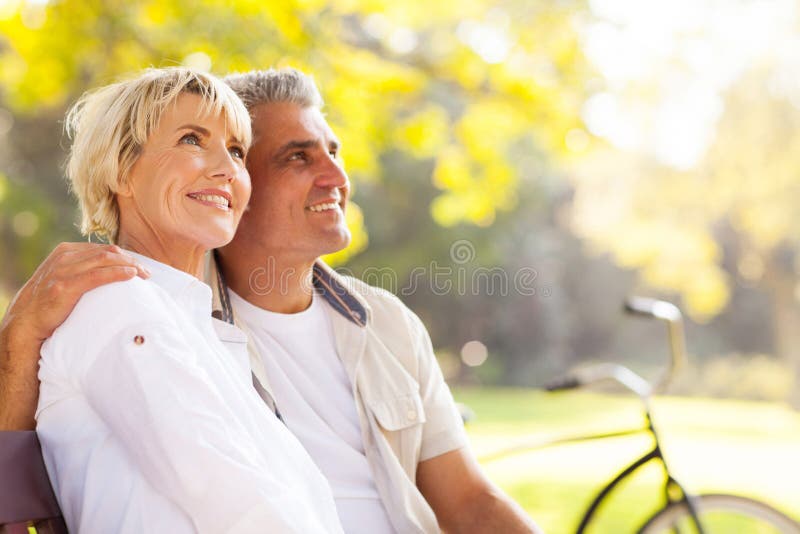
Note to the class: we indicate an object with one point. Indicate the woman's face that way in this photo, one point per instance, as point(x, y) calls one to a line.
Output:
point(189, 185)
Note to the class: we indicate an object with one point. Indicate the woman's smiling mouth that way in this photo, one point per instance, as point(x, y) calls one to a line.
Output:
point(215, 198)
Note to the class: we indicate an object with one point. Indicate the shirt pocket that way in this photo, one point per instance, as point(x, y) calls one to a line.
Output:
point(398, 413)
point(400, 421)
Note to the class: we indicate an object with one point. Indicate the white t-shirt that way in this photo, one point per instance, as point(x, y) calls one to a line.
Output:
point(315, 399)
point(148, 425)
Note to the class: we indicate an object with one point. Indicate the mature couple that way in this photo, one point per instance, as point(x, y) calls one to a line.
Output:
point(187, 398)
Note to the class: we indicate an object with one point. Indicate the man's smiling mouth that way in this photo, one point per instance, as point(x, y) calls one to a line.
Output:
point(324, 207)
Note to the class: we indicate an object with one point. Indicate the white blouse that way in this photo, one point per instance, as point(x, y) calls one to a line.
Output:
point(148, 423)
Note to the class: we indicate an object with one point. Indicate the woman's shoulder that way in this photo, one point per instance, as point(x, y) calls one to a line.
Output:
point(135, 298)
point(106, 310)
point(99, 319)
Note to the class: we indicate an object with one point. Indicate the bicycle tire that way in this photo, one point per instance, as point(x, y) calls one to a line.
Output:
point(670, 518)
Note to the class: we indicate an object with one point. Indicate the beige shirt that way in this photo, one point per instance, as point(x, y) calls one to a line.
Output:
point(405, 409)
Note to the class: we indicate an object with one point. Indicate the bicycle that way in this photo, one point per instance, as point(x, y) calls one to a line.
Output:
point(682, 512)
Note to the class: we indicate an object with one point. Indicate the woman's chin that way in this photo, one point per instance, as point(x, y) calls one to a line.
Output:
point(211, 238)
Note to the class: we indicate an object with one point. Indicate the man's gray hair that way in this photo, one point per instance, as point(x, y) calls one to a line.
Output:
point(275, 85)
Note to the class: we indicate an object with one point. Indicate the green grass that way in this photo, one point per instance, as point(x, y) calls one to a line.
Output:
point(747, 448)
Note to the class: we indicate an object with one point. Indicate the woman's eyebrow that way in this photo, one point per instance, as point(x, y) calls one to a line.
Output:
point(195, 127)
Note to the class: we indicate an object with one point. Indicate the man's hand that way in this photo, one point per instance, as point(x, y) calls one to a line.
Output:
point(42, 304)
point(71, 270)
point(464, 500)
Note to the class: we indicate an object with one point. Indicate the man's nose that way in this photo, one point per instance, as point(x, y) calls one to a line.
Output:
point(332, 174)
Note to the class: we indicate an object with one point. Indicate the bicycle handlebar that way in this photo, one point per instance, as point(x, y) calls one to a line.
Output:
point(646, 307)
point(563, 383)
point(653, 308)
point(669, 313)
point(601, 372)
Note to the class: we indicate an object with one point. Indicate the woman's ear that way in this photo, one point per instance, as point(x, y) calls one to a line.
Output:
point(124, 188)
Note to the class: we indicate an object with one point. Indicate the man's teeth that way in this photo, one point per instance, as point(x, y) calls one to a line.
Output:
point(216, 199)
point(324, 207)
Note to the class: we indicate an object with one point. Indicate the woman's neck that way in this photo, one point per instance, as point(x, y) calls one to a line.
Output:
point(189, 259)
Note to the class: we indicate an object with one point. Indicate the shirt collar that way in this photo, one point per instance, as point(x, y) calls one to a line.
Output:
point(180, 285)
point(330, 285)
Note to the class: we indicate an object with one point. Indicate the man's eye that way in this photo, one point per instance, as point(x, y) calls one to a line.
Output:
point(190, 139)
point(297, 156)
point(237, 152)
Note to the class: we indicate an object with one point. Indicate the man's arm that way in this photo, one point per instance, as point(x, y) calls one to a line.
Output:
point(42, 304)
point(464, 500)
point(448, 476)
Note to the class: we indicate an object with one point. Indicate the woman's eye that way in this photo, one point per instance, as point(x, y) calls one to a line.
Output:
point(190, 139)
point(237, 152)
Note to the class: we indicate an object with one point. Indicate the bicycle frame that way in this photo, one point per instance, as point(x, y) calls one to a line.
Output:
point(670, 482)
point(644, 390)
point(653, 454)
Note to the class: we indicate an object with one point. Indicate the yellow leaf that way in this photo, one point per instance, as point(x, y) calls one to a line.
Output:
point(707, 293)
point(424, 133)
point(487, 127)
point(360, 238)
point(447, 210)
point(452, 170)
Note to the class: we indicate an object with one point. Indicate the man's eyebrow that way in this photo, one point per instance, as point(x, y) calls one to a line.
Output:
point(294, 145)
point(305, 145)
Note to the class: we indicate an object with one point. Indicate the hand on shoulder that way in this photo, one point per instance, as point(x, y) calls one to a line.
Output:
point(43, 303)
point(50, 295)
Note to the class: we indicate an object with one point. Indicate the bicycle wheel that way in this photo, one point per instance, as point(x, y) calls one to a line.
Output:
point(722, 514)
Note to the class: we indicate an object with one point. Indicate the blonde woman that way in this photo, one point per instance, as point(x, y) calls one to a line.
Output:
point(148, 422)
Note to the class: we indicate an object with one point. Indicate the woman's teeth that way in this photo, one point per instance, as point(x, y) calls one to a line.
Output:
point(214, 199)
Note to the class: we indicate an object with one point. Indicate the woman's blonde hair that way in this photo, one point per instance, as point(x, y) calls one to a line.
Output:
point(109, 126)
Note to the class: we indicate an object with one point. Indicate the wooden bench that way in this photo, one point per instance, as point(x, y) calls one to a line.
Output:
point(27, 502)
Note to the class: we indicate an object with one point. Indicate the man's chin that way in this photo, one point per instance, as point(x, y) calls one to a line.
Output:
point(337, 243)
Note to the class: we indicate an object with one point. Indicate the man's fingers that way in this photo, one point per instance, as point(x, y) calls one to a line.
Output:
point(107, 256)
point(66, 252)
point(55, 298)
point(55, 267)
point(88, 280)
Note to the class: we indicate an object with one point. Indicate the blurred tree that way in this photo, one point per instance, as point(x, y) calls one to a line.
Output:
point(446, 111)
point(732, 221)
point(394, 75)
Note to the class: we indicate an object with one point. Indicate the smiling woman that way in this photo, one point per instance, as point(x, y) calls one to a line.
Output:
point(201, 192)
point(148, 423)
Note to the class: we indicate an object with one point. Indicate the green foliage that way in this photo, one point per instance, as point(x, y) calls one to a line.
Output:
point(29, 228)
point(394, 76)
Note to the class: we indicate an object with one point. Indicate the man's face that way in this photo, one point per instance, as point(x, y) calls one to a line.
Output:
point(299, 187)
